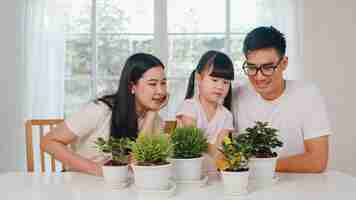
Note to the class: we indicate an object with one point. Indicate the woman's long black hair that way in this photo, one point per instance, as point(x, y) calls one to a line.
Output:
point(122, 103)
point(222, 67)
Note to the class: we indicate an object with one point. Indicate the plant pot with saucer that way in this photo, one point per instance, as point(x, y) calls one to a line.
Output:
point(115, 171)
point(233, 164)
point(189, 144)
point(152, 171)
point(264, 141)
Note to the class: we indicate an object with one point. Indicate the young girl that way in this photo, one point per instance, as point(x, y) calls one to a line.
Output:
point(207, 102)
point(142, 92)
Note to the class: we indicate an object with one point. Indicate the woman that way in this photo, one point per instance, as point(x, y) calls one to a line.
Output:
point(142, 92)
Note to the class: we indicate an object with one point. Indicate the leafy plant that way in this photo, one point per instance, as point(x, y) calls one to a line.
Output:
point(236, 151)
point(117, 147)
point(188, 142)
point(263, 140)
point(152, 149)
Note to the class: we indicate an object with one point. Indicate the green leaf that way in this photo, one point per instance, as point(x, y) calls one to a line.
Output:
point(188, 142)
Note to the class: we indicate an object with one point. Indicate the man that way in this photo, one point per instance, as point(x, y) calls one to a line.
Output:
point(295, 108)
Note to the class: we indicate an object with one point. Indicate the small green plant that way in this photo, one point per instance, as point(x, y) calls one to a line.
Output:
point(117, 147)
point(236, 151)
point(152, 149)
point(188, 142)
point(263, 140)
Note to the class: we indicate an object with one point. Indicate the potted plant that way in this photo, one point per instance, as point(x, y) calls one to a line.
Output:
point(189, 144)
point(152, 171)
point(264, 141)
point(233, 165)
point(115, 171)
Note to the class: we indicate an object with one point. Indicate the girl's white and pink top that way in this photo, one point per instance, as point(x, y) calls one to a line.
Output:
point(222, 120)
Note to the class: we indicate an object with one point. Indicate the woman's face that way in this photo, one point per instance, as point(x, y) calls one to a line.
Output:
point(151, 89)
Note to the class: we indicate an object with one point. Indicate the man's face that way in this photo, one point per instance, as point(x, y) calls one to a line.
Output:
point(272, 86)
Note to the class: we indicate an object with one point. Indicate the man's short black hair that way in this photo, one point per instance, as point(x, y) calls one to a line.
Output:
point(265, 37)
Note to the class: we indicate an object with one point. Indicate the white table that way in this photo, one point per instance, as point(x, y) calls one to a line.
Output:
point(330, 185)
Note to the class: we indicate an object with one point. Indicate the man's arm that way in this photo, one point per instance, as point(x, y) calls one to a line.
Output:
point(314, 160)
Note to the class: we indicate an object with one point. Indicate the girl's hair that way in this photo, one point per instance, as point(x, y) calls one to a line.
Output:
point(222, 67)
point(122, 103)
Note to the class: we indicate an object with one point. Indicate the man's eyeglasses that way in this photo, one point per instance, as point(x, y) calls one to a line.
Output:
point(266, 69)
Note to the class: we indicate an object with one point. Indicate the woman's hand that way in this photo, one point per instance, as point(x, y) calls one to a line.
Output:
point(164, 101)
point(98, 168)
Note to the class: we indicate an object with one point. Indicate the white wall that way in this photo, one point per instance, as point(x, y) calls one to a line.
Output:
point(330, 61)
point(12, 76)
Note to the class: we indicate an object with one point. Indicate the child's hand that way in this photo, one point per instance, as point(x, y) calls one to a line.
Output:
point(221, 135)
point(221, 162)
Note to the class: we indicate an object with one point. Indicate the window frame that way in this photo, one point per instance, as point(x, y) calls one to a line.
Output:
point(160, 42)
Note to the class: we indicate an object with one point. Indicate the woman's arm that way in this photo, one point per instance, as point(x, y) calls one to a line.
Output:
point(55, 143)
point(148, 124)
point(150, 121)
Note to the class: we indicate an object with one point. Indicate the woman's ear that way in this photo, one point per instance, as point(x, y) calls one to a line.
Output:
point(198, 76)
point(132, 88)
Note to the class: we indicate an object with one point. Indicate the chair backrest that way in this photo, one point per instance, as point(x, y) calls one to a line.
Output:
point(169, 126)
point(42, 124)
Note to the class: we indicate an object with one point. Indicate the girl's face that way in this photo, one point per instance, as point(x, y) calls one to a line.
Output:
point(213, 89)
point(151, 89)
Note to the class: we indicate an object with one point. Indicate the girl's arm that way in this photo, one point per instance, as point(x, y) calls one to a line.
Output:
point(55, 143)
point(213, 148)
point(185, 121)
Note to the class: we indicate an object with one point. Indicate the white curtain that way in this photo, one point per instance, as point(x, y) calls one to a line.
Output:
point(45, 57)
point(286, 16)
point(42, 45)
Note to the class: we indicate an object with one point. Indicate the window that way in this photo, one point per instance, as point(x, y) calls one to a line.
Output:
point(101, 34)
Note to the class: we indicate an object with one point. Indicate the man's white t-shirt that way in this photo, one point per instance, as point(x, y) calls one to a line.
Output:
point(299, 114)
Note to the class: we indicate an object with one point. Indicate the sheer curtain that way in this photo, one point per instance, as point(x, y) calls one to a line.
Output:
point(44, 58)
point(285, 15)
point(43, 47)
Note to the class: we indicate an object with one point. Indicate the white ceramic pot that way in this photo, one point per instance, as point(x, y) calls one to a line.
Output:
point(116, 175)
point(235, 183)
point(187, 169)
point(262, 169)
point(152, 177)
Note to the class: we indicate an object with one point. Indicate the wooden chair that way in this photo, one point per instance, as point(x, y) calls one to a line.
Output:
point(169, 126)
point(42, 124)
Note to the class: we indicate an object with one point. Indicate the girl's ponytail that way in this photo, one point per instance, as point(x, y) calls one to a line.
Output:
point(190, 88)
point(228, 99)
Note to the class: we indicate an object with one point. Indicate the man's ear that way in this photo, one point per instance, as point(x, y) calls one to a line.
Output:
point(284, 63)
